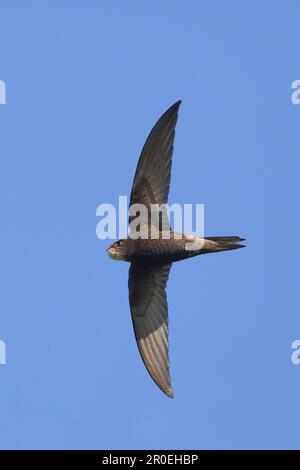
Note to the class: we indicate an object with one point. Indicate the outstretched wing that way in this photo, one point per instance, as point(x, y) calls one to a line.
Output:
point(149, 311)
point(152, 177)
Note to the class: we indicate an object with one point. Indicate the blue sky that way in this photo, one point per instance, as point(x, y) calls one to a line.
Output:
point(85, 83)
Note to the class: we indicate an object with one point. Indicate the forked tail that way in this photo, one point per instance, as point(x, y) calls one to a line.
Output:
point(226, 243)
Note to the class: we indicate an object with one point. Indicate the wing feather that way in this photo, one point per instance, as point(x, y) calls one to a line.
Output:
point(153, 174)
point(149, 311)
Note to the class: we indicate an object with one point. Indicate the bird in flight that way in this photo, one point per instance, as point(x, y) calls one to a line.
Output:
point(151, 256)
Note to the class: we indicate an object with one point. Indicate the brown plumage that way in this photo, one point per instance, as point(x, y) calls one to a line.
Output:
point(151, 259)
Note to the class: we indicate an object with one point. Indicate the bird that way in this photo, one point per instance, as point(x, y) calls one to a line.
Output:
point(150, 257)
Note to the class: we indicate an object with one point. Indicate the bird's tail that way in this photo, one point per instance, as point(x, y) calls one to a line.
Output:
point(226, 243)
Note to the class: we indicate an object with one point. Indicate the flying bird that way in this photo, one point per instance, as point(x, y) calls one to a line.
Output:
point(151, 257)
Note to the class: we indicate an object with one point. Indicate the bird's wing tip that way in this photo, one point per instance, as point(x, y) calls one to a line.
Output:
point(176, 105)
point(169, 392)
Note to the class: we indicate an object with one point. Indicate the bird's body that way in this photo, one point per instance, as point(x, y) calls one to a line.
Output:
point(170, 247)
point(151, 257)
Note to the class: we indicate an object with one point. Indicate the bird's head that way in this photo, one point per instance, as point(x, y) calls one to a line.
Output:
point(117, 250)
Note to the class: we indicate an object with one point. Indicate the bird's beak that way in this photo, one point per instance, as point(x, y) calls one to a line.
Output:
point(112, 252)
point(115, 254)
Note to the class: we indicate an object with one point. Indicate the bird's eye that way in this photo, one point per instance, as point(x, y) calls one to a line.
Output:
point(118, 243)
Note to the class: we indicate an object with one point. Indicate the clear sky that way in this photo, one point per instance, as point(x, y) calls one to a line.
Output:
point(85, 83)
